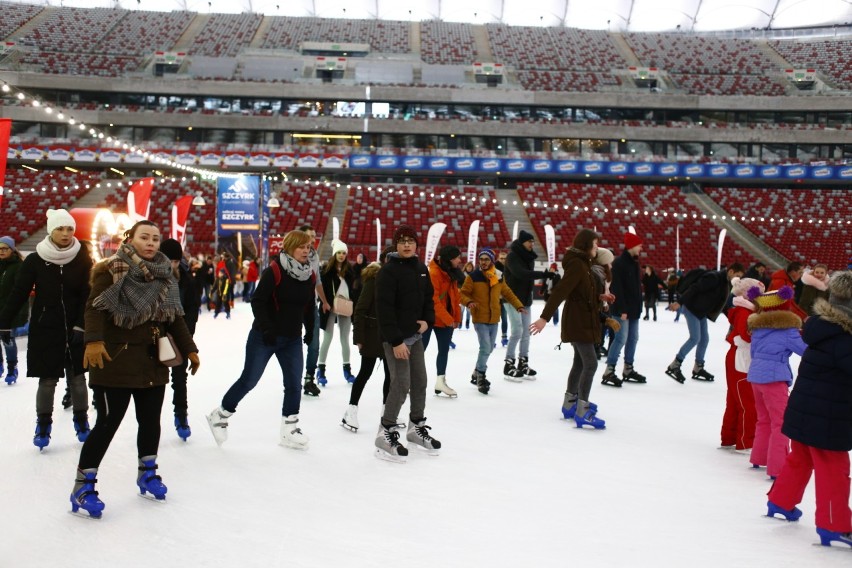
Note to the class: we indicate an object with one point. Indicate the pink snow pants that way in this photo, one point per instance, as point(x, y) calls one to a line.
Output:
point(770, 445)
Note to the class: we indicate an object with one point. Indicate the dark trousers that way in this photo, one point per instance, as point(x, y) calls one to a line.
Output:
point(179, 376)
point(444, 336)
point(364, 374)
point(112, 403)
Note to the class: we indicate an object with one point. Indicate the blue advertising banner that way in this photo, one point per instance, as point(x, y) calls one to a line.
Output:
point(770, 171)
point(414, 163)
point(439, 163)
point(844, 172)
point(822, 172)
point(238, 205)
point(490, 164)
point(719, 170)
point(670, 170)
point(466, 164)
point(360, 162)
point(643, 169)
point(796, 172)
point(745, 171)
point(618, 168)
point(567, 167)
point(693, 170)
point(516, 165)
point(387, 162)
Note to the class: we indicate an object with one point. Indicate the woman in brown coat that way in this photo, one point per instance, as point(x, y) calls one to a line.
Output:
point(581, 325)
point(134, 300)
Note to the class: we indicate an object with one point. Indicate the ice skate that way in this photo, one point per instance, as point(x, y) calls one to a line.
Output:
point(673, 370)
point(826, 537)
point(568, 413)
point(41, 439)
point(149, 482)
point(510, 372)
point(81, 426)
point(441, 387)
point(610, 378)
point(347, 373)
point(793, 514)
point(218, 421)
point(524, 369)
point(182, 427)
point(311, 388)
point(482, 384)
point(291, 434)
point(350, 418)
point(84, 496)
point(388, 446)
point(321, 380)
point(589, 418)
point(12, 377)
point(699, 374)
point(418, 433)
point(630, 375)
point(504, 341)
point(66, 399)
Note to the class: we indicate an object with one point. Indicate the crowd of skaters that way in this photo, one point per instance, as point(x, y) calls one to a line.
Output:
point(91, 316)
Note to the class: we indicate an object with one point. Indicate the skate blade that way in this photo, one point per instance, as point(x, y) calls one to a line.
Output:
point(293, 446)
point(728, 448)
point(429, 451)
point(383, 455)
point(840, 546)
point(149, 497)
point(513, 379)
point(448, 395)
point(85, 515)
point(527, 378)
point(774, 518)
point(348, 427)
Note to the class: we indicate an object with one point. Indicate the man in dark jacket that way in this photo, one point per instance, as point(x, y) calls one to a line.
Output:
point(702, 301)
point(627, 289)
point(190, 299)
point(405, 310)
point(520, 276)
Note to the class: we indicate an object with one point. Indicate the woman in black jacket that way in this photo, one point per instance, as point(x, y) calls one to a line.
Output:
point(338, 279)
point(10, 264)
point(651, 286)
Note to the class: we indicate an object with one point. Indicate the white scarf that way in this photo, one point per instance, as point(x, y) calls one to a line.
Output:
point(49, 251)
point(296, 269)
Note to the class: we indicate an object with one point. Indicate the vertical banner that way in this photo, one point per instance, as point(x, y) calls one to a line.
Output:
point(238, 211)
point(472, 238)
point(631, 229)
point(5, 132)
point(335, 228)
point(515, 231)
point(722, 235)
point(378, 239)
point(180, 215)
point(266, 194)
point(432, 239)
point(550, 240)
point(677, 249)
point(139, 199)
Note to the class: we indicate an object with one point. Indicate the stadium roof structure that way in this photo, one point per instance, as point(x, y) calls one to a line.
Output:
point(613, 15)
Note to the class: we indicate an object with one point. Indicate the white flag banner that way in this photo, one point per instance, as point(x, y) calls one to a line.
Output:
point(677, 249)
point(432, 240)
point(550, 241)
point(378, 239)
point(515, 231)
point(472, 238)
point(722, 236)
point(631, 230)
point(335, 228)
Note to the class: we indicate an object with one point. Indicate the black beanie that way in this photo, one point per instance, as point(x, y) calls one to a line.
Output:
point(405, 231)
point(172, 249)
point(524, 236)
point(448, 253)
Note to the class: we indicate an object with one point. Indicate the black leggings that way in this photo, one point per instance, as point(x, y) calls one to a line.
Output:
point(364, 374)
point(112, 403)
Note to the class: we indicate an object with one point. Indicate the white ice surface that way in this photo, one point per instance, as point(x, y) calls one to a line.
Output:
point(515, 484)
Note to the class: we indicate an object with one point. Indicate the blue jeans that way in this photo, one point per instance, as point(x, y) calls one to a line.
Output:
point(314, 347)
point(288, 350)
point(627, 337)
point(520, 333)
point(698, 335)
point(487, 335)
point(11, 349)
point(504, 320)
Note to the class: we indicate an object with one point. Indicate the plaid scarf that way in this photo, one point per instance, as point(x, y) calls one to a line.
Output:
point(142, 290)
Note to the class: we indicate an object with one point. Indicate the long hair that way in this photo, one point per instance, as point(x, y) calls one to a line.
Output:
point(332, 265)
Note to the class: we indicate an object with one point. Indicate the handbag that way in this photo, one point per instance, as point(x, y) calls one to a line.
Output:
point(167, 352)
point(343, 306)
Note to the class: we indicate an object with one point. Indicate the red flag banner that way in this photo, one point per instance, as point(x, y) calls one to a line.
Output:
point(180, 215)
point(5, 131)
point(139, 199)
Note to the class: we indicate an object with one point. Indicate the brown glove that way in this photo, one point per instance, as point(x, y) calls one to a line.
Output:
point(95, 354)
point(613, 324)
point(194, 362)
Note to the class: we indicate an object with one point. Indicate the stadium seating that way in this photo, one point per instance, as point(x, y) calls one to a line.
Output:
point(141, 33)
point(61, 63)
point(74, 30)
point(830, 57)
point(14, 16)
point(754, 85)
point(385, 36)
point(443, 43)
point(225, 35)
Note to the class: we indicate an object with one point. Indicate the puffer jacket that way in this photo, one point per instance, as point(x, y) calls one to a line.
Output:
point(478, 290)
point(404, 296)
point(774, 337)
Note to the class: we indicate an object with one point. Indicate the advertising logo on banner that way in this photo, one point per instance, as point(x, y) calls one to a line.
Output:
point(309, 161)
point(238, 205)
point(669, 169)
point(134, 158)
point(384, 162)
point(235, 160)
point(32, 154)
point(821, 172)
point(567, 167)
point(333, 162)
point(439, 163)
point(283, 161)
point(261, 160)
point(186, 158)
point(490, 164)
point(414, 163)
point(719, 170)
point(358, 161)
point(796, 172)
point(210, 159)
point(745, 171)
point(465, 164)
point(110, 156)
point(84, 155)
point(516, 165)
point(58, 154)
point(432, 239)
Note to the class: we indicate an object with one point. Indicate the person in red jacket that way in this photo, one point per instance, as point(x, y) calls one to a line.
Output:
point(788, 277)
point(740, 416)
point(252, 276)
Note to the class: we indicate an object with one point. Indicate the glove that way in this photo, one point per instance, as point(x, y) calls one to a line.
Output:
point(77, 337)
point(308, 338)
point(269, 338)
point(613, 324)
point(194, 363)
point(6, 336)
point(95, 354)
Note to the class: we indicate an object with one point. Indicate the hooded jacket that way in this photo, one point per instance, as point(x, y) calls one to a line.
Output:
point(774, 337)
point(478, 289)
point(365, 331)
point(578, 288)
point(403, 296)
point(819, 412)
point(445, 296)
point(519, 273)
point(707, 295)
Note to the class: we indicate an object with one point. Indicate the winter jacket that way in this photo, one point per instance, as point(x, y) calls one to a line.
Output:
point(445, 296)
point(365, 330)
point(58, 307)
point(519, 273)
point(8, 272)
point(706, 297)
point(774, 337)
point(285, 308)
point(738, 318)
point(819, 412)
point(331, 285)
point(580, 291)
point(626, 286)
point(190, 295)
point(651, 286)
point(404, 296)
point(754, 274)
point(813, 289)
point(780, 278)
point(252, 273)
point(478, 290)
point(133, 351)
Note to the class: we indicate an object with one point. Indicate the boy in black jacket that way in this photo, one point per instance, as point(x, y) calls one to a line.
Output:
point(405, 311)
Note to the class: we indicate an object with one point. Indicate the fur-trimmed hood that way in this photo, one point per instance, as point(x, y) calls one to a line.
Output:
point(808, 279)
point(833, 315)
point(774, 320)
point(370, 271)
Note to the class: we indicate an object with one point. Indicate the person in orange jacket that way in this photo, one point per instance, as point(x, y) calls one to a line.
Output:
point(444, 272)
point(788, 277)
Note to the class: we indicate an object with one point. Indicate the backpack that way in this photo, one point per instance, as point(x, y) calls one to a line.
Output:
point(689, 279)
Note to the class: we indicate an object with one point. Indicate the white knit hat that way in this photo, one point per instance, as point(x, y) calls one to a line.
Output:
point(59, 218)
point(604, 256)
point(338, 246)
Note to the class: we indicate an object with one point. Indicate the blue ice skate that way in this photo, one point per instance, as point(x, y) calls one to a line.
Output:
point(86, 497)
point(149, 481)
point(589, 419)
point(321, 376)
point(826, 537)
point(42, 435)
point(791, 515)
point(568, 413)
point(12, 377)
point(182, 427)
point(347, 373)
point(81, 426)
